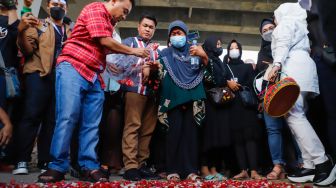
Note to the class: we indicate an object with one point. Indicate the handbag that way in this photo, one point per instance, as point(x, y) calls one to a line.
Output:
point(221, 95)
point(248, 97)
point(329, 56)
point(12, 80)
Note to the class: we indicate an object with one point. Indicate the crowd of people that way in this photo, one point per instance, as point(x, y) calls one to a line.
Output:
point(162, 123)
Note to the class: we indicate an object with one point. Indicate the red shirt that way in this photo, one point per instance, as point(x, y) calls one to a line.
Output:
point(83, 49)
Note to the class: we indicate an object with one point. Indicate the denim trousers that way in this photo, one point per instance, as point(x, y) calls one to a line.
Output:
point(274, 128)
point(78, 103)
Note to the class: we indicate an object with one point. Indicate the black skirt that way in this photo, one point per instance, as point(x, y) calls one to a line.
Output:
point(216, 129)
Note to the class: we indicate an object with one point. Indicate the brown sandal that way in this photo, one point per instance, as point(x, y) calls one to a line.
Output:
point(94, 176)
point(242, 175)
point(276, 174)
point(51, 176)
point(255, 175)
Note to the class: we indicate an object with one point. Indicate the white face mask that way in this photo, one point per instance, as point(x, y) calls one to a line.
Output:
point(267, 36)
point(234, 53)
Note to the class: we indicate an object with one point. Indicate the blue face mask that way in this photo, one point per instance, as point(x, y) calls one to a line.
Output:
point(178, 41)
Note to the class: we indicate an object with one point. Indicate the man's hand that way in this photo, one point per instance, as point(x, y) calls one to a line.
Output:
point(273, 74)
point(5, 135)
point(233, 85)
point(141, 52)
point(145, 73)
point(28, 20)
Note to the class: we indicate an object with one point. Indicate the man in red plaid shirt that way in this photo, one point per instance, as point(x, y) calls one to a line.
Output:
point(79, 94)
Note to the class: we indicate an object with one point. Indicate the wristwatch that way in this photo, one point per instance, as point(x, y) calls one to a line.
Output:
point(277, 64)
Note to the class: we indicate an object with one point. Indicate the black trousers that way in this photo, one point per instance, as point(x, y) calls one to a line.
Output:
point(327, 80)
point(246, 153)
point(181, 142)
point(38, 118)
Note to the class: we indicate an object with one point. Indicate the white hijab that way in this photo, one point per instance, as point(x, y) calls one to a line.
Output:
point(290, 12)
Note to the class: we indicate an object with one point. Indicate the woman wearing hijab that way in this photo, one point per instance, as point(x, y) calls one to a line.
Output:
point(216, 132)
point(242, 120)
point(273, 125)
point(290, 50)
point(180, 107)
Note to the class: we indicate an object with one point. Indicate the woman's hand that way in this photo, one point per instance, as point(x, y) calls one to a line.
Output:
point(233, 85)
point(273, 73)
point(199, 51)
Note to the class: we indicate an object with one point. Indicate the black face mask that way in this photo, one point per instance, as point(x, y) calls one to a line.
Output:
point(218, 51)
point(57, 13)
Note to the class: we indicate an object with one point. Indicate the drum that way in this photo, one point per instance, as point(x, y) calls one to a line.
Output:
point(281, 97)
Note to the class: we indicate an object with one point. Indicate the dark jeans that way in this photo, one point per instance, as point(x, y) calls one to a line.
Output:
point(38, 117)
point(182, 153)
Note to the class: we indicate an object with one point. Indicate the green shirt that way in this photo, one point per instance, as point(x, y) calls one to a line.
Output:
point(172, 95)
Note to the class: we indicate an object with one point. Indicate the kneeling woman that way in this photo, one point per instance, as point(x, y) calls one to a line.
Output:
point(181, 102)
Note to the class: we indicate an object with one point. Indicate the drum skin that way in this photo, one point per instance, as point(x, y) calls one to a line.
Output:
point(281, 97)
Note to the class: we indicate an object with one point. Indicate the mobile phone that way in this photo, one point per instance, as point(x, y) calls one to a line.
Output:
point(193, 36)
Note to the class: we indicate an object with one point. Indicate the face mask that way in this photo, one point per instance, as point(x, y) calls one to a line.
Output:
point(178, 41)
point(267, 36)
point(57, 13)
point(218, 51)
point(234, 53)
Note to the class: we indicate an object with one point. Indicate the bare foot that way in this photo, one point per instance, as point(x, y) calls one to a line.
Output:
point(255, 175)
point(242, 175)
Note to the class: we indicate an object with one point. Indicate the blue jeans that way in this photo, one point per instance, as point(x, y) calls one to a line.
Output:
point(274, 128)
point(78, 102)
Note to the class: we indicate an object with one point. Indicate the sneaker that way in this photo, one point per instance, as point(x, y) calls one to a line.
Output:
point(325, 174)
point(302, 175)
point(132, 175)
point(21, 168)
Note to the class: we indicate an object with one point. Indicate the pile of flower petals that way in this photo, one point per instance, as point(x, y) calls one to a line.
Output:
point(165, 184)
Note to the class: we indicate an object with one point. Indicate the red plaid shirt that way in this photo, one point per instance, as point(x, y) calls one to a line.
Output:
point(82, 49)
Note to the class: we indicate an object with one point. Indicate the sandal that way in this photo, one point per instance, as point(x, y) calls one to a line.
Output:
point(173, 177)
point(219, 177)
point(193, 177)
point(51, 176)
point(209, 177)
point(94, 176)
point(242, 175)
point(276, 174)
point(255, 175)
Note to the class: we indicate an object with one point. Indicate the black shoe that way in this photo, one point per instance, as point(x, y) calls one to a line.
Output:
point(325, 173)
point(148, 173)
point(132, 175)
point(302, 175)
point(43, 166)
